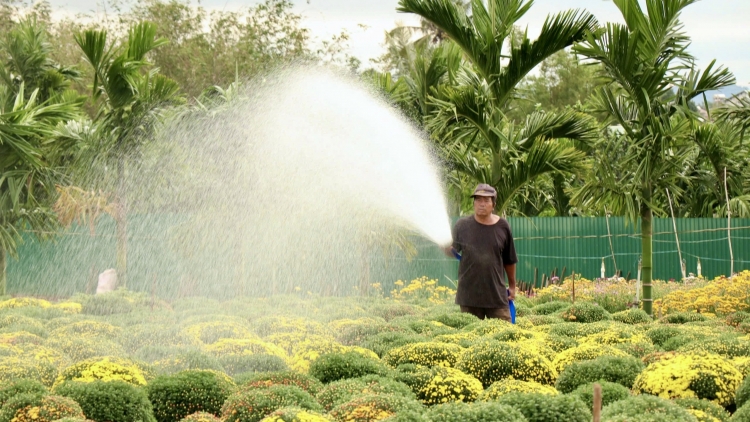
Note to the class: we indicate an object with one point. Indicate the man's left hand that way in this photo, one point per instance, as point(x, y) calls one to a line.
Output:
point(512, 293)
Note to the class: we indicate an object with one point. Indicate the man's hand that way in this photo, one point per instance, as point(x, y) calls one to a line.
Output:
point(512, 293)
point(450, 251)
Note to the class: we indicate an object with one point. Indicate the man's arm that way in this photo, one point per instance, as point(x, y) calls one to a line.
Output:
point(510, 270)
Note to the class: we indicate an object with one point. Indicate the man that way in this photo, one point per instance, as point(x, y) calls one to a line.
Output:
point(485, 243)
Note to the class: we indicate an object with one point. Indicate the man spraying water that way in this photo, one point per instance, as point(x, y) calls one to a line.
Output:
point(484, 244)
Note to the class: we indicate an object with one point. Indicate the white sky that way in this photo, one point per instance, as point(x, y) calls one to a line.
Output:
point(719, 28)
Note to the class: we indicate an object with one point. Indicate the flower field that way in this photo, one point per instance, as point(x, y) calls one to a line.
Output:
point(407, 355)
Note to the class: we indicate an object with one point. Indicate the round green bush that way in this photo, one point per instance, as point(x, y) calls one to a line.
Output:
point(268, 379)
point(682, 318)
point(611, 392)
point(645, 407)
point(661, 333)
point(241, 364)
point(678, 342)
point(560, 343)
point(632, 316)
point(295, 414)
point(550, 308)
point(576, 330)
point(455, 319)
point(48, 409)
point(449, 385)
point(336, 366)
point(372, 407)
point(493, 361)
point(254, 404)
point(109, 401)
point(187, 360)
point(539, 407)
point(414, 376)
point(708, 408)
point(339, 392)
point(429, 354)
point(107, 304)
point(742, 395)
point(201, 417)
point(173, 397)
point(21, 386)
point(383, 342)
point(728, 345)
point(389, 311)
point(638, 350)
point(354, 335)
point(18, 402)
point(474, 412)
point(584, 312)
point(620, 370)
point(741, 415)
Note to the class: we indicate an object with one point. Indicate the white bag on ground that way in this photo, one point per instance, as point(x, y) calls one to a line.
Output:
point(107, 281)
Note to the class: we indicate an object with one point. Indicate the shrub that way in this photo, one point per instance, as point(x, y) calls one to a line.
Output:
point(13, 368)
point(373, 407)
point(422, 326)
point(448, 385)
point(290, 378)
point(646, 408)
point(461, 339)
point(637, 350)
point(106, 369)
point(339, 392)
point(107, 304)
point(682, 318)
point(455, 319)
point(741, 415)
point(383, 342)
point(539, 320)
point(187, 360)
point(585, 312)
point(584, 352)
point(295, 414)
point(18, 403)
point(143, 335)
point(21, 386)
point(622, 370)
point(81, 348)
point(632, 316)
point(415, 376)
point(335, 366)
point(737, 318)
point(492, 361)
point(173, 397)
point(254, 404)
point(113, 401)
point(708, 409)
point(576, 330)
point(611, 392)
point(241, 364)
point(727, 345)
point(703, 375)
point(550, 308)
point(660, 334)
point(201, 417)
point(510, 385)
point(389, 311)
point(428, 354)
point(560, 343)
point(48, 409)
point(538, 407)
point(474, 412)
point(742, 394)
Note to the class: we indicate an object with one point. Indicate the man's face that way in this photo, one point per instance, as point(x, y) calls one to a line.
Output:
point(483, 206)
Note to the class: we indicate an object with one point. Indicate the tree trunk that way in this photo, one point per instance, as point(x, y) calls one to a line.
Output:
point(562, 200)
point(647, 259)
point(121, 226)
point(3, 272)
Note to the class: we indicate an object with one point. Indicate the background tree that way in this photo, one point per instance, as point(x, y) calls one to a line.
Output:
point(132, 98)
point(641, 62)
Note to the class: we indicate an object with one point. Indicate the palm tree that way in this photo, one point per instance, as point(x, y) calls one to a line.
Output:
point(642, 62)
point(470, 116)
point(28, 150)
point(132, 98)
point(27, 61)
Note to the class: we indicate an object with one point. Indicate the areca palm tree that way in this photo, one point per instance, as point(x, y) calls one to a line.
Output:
point(643, 61)
point(470, 115)
point(28, 148)
point(132, 97)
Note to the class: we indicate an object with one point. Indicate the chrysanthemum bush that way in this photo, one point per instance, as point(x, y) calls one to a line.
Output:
point(373, 407)
point(342, 391)
point(254, 404)
point(428, 353)
point(493, 361)
point(47, 409)
point(702, 375)
point(107, 369)
point(509, 385)
point(721, 296)
point(585, 351)
point(174, 397)
point(449, 385)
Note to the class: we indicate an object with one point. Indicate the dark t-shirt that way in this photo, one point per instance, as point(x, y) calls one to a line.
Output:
point(485, 249)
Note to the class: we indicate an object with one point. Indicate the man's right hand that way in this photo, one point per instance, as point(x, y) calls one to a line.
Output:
point(449, 251)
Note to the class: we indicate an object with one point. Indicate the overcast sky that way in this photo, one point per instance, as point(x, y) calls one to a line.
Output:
point(719, 28)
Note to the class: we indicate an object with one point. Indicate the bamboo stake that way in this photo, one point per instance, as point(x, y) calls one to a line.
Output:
point(677, 239)
point(729, 226)
point(597, 402)
point(609, 235)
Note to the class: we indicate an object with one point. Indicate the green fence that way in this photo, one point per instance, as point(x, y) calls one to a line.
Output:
point(70, 263)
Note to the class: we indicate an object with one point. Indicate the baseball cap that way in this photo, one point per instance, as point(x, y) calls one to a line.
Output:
point(484, 189)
